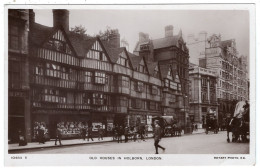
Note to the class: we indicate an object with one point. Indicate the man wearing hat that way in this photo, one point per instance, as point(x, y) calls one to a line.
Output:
point(157, 136)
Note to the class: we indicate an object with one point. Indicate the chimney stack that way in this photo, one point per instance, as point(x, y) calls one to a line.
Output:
point(61, 18)
point(169, 31)
point(31, 16)
point(114, 38)
point(202, 36)
point(143, 37)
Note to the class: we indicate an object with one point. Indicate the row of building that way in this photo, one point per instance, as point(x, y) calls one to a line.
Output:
point(221, 76)
point(59, 77)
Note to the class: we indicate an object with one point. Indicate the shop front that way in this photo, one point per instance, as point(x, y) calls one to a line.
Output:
point(142, 118)
point(70, 123)
point(104, 121)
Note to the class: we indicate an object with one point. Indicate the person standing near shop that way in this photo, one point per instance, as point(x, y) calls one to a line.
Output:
point(58, 135)
point(157, 136)
point(83, 133)
point(41, 132)
point(120, 133)
point(100, 133)
point(126, 131)
point(90, 133)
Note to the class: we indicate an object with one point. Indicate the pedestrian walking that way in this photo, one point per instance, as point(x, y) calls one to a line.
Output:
point(142, 132)
point(146, 130)
point(90, 133)
point(135, 133)
point(196, 127)
point(126, 132)
point(157, 136)
point(83, 133)
point(115, 130)
point(100, 133)
point(58, 135)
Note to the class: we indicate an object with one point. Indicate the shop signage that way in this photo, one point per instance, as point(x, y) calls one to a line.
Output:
point(59, 112)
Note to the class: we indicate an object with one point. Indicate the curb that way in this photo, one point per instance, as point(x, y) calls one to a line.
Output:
point(57, 146)
point(77, 144)
point(65, 145)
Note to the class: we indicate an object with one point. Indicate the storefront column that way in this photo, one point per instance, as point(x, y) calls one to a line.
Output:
point(27, 120)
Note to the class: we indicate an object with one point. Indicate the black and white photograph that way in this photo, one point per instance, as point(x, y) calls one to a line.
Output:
point(139, 84)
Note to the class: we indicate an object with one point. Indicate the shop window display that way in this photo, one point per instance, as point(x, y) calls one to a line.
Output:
point(71, 128)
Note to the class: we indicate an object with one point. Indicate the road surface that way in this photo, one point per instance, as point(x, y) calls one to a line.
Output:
point(187, 144)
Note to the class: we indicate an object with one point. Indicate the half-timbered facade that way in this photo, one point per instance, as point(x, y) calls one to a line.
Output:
point(75, 80)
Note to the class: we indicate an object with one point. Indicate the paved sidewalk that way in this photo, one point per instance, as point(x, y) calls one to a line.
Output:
point(199, 131)
point(51, 143)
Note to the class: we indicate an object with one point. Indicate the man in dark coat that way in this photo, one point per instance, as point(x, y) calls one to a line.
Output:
point(58, 135)
point(100, 133)
point(157, 136)
point(126, 132)
point(22, 139)
point(41, 131)
point(120, 133)
point(90, 133)
point(83, 133)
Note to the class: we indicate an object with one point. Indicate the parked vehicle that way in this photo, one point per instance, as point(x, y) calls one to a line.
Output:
point(168, 125)
point(211, 123)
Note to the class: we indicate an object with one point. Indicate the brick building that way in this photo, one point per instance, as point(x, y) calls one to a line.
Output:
point(172, 56)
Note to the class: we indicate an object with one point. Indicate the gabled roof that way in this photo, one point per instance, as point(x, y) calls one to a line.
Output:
point(151, 66)
point(77, 42)
point(114, 53)
point(135, 60)
point(164, 69)
point(81, 43)
point(39, 33)
point(165, 42)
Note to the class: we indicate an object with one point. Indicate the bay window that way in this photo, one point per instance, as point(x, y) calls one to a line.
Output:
point(154, 90)
point(139, 87)
point(99, 99)
point(125, 81)
point(100, 78)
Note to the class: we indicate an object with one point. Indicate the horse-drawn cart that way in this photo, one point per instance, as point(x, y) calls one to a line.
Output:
point(169, 125)
point(239, 124)
point(211, 123)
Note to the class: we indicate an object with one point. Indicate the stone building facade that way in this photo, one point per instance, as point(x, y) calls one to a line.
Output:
point(203, 90)
point(221, 56)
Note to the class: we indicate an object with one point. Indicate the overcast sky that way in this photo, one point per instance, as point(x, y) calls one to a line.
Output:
point(229, 23)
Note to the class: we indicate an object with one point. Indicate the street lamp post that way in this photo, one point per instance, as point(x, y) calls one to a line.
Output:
point(185, 114)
